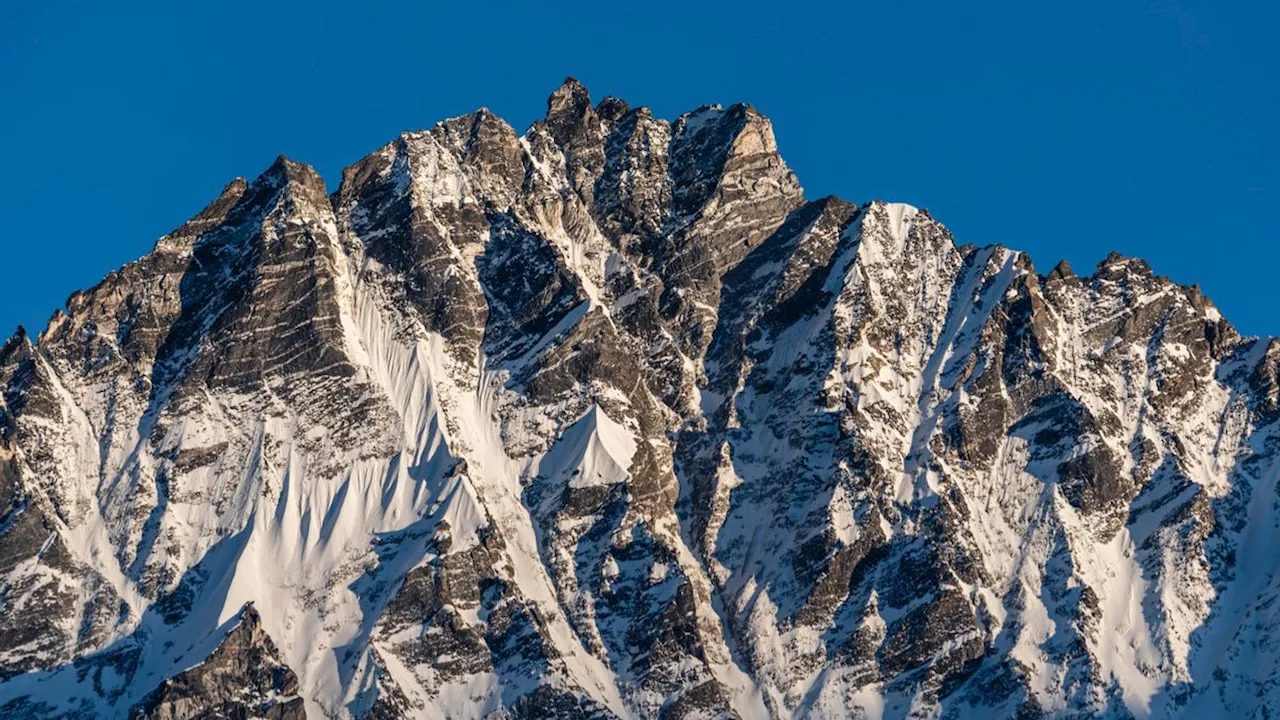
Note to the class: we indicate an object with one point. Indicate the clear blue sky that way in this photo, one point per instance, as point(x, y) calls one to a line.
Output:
point(1063, 129)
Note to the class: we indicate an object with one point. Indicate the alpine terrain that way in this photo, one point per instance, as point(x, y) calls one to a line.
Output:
point(608, 420)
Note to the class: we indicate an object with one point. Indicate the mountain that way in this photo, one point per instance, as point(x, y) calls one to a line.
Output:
point(608, 420)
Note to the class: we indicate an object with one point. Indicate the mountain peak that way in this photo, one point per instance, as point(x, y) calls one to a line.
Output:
point(1115, 264)
point(1062, 271)
point(613, 109)
point(17, 342)
point(284, 171)
point(569, 89)
point(608, 420)
point(569, 111)
point(284, 180)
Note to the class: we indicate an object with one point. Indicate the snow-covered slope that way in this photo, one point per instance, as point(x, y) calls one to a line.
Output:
point(607, 420)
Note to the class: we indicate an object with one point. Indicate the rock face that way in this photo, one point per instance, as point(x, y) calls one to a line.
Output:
point(242, 678)
point(608, 420)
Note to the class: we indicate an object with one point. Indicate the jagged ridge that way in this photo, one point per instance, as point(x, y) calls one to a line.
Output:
point(606, 419)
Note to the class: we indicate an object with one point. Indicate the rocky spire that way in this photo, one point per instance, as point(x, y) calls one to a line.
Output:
point(574, 126)
point(569, 112)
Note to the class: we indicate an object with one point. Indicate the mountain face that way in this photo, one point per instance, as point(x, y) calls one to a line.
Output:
point(608, 420)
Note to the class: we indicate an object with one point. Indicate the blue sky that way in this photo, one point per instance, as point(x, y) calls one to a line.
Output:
point(1066, 130)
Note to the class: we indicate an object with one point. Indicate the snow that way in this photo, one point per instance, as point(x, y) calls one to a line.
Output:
point(319, 535)
point(698, 120)
point(593, 452)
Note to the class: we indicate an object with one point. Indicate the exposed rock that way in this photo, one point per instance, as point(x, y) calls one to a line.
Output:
point(243, 678)
point(606, 420)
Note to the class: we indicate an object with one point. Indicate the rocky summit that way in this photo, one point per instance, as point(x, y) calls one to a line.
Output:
point(607, 420)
